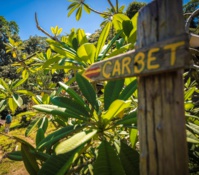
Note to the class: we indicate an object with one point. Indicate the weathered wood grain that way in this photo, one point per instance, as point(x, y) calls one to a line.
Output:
point(160, 96)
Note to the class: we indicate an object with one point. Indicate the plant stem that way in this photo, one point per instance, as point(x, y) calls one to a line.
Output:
point(111, 5)
point(95, 11)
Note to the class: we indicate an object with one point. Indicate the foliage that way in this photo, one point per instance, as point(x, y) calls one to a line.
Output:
point(96, 123)
point(7, 29)
point(35, 44)
point(133, 8)
point(83, 131)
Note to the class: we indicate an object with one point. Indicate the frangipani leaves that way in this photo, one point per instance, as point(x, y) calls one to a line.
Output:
point(86, 52)
point(74, 142)
point(115, 108)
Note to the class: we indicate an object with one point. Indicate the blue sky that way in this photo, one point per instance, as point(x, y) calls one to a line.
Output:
point(51, 13)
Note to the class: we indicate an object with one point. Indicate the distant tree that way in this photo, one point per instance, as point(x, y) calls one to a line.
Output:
point(133, 8)
point(7, 29)
point(35, 44)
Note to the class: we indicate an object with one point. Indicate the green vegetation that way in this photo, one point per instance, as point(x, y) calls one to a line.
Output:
point(77, 126)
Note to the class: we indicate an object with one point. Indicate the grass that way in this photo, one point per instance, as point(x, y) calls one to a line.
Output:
point(8, 144)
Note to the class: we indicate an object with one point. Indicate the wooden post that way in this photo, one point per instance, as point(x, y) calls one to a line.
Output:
point(161, 101)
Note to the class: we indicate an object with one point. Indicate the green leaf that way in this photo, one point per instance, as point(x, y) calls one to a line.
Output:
point(29, 159)
point(128, 120)
point(128, 90)
point(32, 126)
point(59, 31)
point(118, 20)
point(55, 110)
point(59, 164)
point(72, 93)
point(51, 61)
point(3, 105)
point(74, 142)
point(72, 8)
point(133, 137)
point(5, 85)
point(25, 75)
point(24, 92)
point(81, 36)
point(188, 105)
point(102, 38)
point(132, 37)
point(191, 137)
point(16, 156)
point(45, 99)
point(107, 162)
point(87, 91)
point(12, 105)
point(193, 127)
point(86, 52)
point(189, 93)
point(54, 137)
point(19, 82)
point(110, 45)
point(79, 13)
point(27, 151)
point(127, 27)
point(70, 104)
point(40, 136)
point(64, 51)
point(87, 9)
point(48, 54)
point(18, 100)
point(27, 113)
point(115, 108)
point(129, 159)
point(43, 123)
point(112, 91)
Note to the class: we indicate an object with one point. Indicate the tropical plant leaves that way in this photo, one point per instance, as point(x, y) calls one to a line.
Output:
point(112, 91)
point(74, 142)
point(129, 159)
point(56, 110)
point(86, 53)
point(115, 108)
point(57, 135)
point(102, 38)
point(72, 93)
point(32, 126)
point(17, 99)
point(27, 152)
point(59, 164)
point(16, 156)
point(87, 91)
point(128, 90)
point(107, 162)
point(128, 119)
point(70, 104)
point(40, 136)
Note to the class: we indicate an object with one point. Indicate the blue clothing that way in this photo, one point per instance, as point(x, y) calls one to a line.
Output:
point(8, 119)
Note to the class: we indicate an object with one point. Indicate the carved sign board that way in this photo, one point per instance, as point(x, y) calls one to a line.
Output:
point(162, 56)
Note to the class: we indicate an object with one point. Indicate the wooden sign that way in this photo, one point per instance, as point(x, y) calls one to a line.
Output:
point(161, 115)
point(159, 61)
point(162, 56)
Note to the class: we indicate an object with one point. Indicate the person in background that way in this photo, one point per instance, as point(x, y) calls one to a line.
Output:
point(8, 122)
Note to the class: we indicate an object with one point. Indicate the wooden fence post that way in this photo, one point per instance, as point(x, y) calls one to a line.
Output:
point(161, 97)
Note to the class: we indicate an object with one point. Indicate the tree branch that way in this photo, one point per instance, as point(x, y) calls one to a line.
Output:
point(95, 11)
point(111, 5)
point(117, 10)
point(42, 30)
